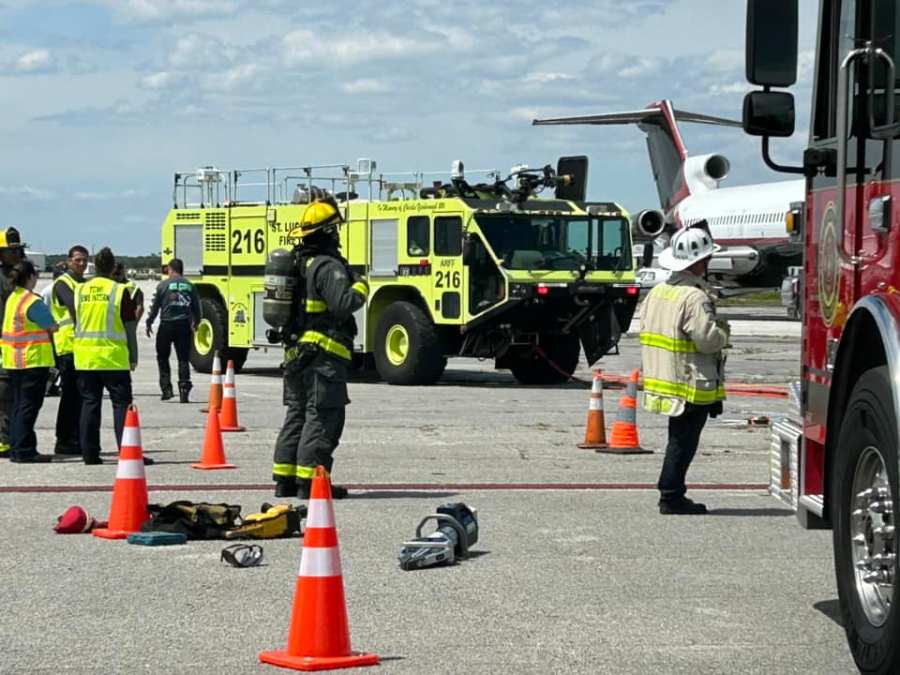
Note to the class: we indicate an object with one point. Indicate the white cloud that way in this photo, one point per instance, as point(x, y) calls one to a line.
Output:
point(26, 192)
point(200, 52)
point(365, 86)
point(726, 60)
point(305, 46)
point(159, 80)
point(736, 87)
point(232, 78)
point(161, 10)
point(546, 78)
point(640, 67)
point(34, 61)
point(108, 196)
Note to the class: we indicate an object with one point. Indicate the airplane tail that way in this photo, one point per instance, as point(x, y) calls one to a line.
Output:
point(676, 174)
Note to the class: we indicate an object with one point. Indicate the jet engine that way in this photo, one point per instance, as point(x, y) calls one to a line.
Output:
point(705, 172)
point(648, 224)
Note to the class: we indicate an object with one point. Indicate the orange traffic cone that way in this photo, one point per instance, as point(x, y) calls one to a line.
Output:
point(215, 386)
point(228, 417)
point(595, 433)
point(213, 456)
point(623, 437)
point(129, 500)
point(319, 637)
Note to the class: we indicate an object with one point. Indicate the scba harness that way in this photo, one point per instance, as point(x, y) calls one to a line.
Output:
point(312, 328)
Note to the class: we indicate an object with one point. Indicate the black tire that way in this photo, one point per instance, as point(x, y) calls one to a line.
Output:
point(532, 368)
point(868, 434)
point(215, 321)
point(424, 360)
point(237, 355)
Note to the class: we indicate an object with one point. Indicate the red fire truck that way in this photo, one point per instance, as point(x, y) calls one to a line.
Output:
point(838, 464)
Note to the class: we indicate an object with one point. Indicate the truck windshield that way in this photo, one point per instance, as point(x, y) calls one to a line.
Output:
point(531, 242)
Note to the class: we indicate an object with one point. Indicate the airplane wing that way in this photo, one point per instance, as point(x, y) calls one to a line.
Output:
point(638, 116)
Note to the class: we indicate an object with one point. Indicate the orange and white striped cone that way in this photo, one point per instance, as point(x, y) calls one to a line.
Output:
point(129, 501)
point(215, 386)
point(623, 437)
point(595, 433)
point(319, 635)
point(228, 416)
point(213, 455)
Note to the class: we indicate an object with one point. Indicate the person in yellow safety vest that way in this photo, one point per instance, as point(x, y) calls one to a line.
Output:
point(318, 353)
point(27, 357)
point(681, 349)
point(11, 252)
point(62, 305)
point(105, 352)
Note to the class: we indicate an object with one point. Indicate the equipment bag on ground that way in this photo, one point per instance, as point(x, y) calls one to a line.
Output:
point(197, 521)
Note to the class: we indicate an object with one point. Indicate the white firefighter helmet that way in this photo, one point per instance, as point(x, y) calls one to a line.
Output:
point(688, 245)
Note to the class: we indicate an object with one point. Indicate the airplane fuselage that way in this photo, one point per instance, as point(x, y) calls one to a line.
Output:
point(748, 222)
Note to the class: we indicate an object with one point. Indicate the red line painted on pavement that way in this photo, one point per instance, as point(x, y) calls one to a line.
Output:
point(417, 487)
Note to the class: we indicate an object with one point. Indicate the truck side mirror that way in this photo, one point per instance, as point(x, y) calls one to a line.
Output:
point(771, 47)
point(647, 254)
point(577, 168)
point(769, 113)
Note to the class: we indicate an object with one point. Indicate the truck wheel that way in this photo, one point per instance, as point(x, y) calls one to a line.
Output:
point(238, 355)
point(210, 336)
point(531, 368)
point(407, 346)
point(864, 503)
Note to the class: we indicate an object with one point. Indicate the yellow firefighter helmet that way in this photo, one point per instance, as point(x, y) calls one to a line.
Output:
point(9, 238)
point(317, 215)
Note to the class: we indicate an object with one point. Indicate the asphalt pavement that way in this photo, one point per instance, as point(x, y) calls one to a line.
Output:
point(589, 580)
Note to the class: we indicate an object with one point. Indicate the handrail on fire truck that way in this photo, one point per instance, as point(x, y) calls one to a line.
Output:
point(212, 187)
point(870, 54)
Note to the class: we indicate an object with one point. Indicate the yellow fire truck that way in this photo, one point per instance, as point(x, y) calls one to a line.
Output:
point(487, 270)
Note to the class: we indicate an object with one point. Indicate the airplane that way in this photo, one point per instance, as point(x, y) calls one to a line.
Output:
point(747, 221)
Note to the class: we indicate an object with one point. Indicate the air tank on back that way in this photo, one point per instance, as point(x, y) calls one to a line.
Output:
point(280, 280)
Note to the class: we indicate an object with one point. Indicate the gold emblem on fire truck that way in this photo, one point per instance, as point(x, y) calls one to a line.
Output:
point(829, 265)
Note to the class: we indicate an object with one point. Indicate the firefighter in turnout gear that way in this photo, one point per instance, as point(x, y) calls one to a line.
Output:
point(682, 343)
point(11, 252)
point(318, 351)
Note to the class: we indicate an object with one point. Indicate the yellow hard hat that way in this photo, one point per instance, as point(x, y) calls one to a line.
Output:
point(9, 238)
point(316, 216)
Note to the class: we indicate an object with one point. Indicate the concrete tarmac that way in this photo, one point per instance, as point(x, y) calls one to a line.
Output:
point(588, 580)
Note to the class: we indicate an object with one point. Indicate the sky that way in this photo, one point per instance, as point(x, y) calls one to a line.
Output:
point(105, 100)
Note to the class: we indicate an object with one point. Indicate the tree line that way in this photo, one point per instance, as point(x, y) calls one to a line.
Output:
point(137, 262)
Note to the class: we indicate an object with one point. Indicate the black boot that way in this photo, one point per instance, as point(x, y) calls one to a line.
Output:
point(681, 506)
point(33, 458)
point(285, 488)
point(184, 390)
point(305, 485)
point(166, 389)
